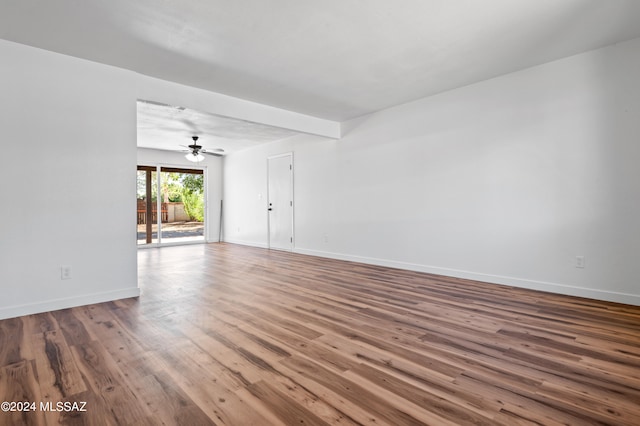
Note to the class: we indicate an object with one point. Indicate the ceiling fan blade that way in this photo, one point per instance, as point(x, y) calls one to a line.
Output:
point(215, 154)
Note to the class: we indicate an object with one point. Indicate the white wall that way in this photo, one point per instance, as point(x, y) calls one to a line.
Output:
point(67, 167)
point(213, 166)
point(68, 174)
point(503, 181)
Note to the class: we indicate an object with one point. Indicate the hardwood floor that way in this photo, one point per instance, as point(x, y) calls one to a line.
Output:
point(232, 335)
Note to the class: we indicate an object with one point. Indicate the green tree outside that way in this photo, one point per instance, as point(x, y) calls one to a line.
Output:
point(176, 187)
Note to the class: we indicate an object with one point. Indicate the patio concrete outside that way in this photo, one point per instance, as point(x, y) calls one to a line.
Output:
point(173, 232)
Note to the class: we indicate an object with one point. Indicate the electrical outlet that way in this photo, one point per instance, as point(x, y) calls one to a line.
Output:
point(579, 261)
point(65, 272)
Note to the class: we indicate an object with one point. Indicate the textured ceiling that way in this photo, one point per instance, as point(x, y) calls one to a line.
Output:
point(335, 59)
point(171, 128)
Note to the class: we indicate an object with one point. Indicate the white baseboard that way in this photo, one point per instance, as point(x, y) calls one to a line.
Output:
point(246, 243)
point(69, 302)
point(610, 296)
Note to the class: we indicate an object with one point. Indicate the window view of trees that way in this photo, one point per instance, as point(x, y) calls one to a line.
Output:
point(192, 194)
point(187, 189)
point(178, 188)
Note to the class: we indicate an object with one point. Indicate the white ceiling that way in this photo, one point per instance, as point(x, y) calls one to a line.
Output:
point(171, 128)
point(334, 59)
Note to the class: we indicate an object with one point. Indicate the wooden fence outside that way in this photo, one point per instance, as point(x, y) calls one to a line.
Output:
point(142, 212)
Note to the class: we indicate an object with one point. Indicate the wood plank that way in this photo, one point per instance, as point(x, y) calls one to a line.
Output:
point(19, 384)
point(58, 374)
point(283, 407)
point(233, 335)
point(11, 337)
point(354, 392)
point(105, 380)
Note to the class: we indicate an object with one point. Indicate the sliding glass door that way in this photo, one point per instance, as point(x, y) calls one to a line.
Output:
point(182, 193)
point(171, 205)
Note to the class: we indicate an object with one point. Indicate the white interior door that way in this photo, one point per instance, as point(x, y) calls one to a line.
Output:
point(280, 201)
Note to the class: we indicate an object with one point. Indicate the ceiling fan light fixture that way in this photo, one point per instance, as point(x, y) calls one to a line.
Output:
point(194, 157)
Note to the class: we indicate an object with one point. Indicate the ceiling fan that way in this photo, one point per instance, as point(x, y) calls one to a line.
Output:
point(196, 151)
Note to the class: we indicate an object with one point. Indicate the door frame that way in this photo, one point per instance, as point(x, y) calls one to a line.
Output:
point(293, 204)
